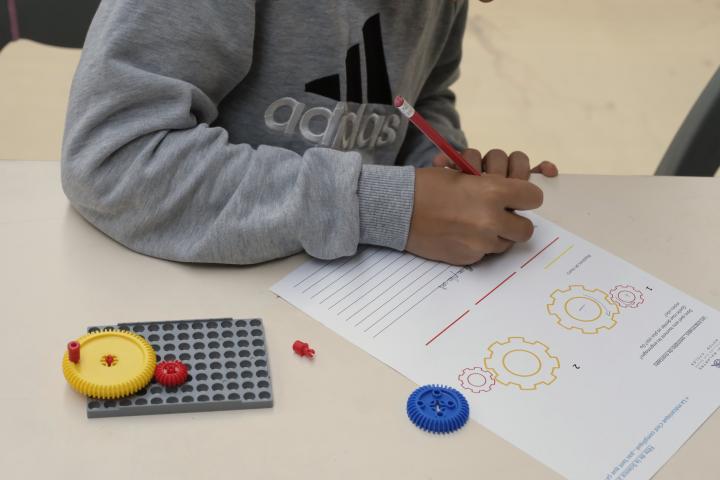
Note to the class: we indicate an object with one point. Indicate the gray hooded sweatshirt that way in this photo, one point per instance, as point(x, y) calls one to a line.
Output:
point(239, 131)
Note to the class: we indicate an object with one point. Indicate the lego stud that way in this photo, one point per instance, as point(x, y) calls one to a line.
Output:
point(303, 349)
point(74, 351)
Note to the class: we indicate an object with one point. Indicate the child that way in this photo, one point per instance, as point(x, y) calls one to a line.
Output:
point(243, 131)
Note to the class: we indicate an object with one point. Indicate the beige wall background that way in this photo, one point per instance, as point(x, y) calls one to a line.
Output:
point(599, 87)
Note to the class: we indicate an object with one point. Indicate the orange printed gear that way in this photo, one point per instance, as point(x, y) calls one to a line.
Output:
point(567, 309)
point(113, 364)
point(540, 369)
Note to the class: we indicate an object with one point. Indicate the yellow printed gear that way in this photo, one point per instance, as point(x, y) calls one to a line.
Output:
point(517, 361)
point(113, 364)
point(586, 311)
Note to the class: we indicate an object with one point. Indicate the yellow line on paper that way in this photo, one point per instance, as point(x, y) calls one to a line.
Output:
point(558, 257)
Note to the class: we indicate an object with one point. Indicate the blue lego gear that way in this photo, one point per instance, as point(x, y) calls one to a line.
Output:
point(438, 409)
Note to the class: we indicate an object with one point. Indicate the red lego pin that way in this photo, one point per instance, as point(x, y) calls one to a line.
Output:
point(303, 349)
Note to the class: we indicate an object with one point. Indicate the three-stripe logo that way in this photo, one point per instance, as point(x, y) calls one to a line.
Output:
point(378, 82)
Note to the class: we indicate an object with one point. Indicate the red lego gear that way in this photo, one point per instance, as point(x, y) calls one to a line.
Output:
point(303, 349)
point(171, 374)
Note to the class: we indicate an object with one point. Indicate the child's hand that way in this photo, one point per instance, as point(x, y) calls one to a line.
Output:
point(497, 162)
point(458, 218)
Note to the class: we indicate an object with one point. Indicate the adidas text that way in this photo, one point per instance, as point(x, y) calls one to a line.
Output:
point(343, 128)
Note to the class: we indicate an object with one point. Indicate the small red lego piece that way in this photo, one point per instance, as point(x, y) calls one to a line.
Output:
point(303, 349)
point(171, 374)
point(73, 351)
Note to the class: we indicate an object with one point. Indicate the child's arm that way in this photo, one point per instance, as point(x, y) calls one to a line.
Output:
point(141, 163)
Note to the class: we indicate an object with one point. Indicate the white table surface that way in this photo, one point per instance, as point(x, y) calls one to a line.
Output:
point(339, 416)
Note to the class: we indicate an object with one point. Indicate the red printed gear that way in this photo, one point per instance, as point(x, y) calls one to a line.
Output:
point(171, 374)
point(476, 380)
point(627, 296)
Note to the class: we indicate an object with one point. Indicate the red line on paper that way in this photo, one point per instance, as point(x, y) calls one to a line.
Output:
point(490, 293)
point(446, 328)
point(468, 311)
point(541, 251)
point(498, 286)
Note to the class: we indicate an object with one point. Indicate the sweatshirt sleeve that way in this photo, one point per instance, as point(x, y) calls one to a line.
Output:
point(437, 101)
point(142, 162)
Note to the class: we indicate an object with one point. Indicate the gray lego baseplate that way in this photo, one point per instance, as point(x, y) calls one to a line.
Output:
point(227, 363)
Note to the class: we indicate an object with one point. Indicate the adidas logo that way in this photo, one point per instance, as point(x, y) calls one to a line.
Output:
point(342, 128)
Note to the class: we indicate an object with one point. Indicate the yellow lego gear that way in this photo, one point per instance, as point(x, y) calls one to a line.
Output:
point(113, 364)
point(522, 363)
point(583, 310)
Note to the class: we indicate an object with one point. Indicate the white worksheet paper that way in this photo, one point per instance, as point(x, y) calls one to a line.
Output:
point(590, 365)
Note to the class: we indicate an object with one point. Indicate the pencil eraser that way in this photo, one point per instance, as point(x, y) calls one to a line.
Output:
point(399, 101)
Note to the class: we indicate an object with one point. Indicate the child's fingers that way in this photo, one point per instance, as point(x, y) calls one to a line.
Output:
point(519, 166)
point(474, 157)
point(442, 160)
point(548, 169)
point(471, 155)
point(496, 163)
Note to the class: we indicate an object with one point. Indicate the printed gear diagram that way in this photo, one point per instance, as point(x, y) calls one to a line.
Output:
point(522, 363)
point(476, 380)
point(587, 311)
point(626, 296)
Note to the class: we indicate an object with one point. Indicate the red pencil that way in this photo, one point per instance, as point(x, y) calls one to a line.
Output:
point(434, 136)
